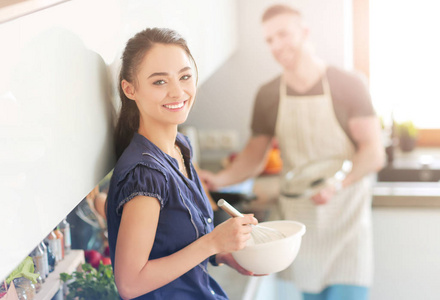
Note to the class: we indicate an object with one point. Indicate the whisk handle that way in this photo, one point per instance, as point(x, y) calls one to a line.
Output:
point(223, 204)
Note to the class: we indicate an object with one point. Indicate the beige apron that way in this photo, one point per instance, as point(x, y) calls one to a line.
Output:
point(337, 246)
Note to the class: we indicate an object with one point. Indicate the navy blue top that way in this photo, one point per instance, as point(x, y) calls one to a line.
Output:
point(185, 214)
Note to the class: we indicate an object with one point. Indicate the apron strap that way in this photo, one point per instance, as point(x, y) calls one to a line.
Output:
point(325, 86)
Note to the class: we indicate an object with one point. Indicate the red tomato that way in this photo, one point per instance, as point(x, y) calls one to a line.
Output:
point(106, 261)
point(93, 257)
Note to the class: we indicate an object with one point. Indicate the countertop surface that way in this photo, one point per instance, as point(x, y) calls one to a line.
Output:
point(418, 194)
point(385, 194)
point(390, 194)
point(410, 193)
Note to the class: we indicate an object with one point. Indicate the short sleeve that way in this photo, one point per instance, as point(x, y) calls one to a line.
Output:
point(360, 97)
point(266, 109)
point(142, 181)
point(351, 93)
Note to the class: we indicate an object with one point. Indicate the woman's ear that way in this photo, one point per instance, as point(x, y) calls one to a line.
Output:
point(128, 89)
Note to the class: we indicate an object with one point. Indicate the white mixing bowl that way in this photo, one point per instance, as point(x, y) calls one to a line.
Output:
point(276, 255)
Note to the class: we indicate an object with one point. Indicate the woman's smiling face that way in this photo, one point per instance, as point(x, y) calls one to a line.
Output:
point(165, 86)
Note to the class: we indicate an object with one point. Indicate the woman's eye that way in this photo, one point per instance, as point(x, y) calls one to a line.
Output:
point(186, 77)
point(159, 82)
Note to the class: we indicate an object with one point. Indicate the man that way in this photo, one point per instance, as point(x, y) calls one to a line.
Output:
point(316, 111)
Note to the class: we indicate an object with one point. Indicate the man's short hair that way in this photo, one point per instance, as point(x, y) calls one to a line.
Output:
point(278, 9)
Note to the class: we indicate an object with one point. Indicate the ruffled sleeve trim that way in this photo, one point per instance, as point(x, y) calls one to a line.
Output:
point(135, 194)
point(143, 180)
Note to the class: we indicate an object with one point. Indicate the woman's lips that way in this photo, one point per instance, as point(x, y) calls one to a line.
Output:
point(176, 105)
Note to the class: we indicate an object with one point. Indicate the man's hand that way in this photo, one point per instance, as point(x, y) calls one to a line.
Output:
point(324, 195)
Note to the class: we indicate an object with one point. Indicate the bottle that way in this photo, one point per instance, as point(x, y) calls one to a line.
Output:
point(65, 230)
point(51, 259)
point(45, 260)
point(60, 241)
point(38, 258)
point(53, 245)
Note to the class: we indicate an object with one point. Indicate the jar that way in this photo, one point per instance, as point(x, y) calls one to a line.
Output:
point(21, 293)
point(26, 287)
point(39, 284)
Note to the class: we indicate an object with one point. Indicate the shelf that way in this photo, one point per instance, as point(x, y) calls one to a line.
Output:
point(70, 263)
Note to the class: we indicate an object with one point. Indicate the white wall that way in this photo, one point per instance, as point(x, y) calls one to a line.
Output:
point(57, 83)
point(225, 100)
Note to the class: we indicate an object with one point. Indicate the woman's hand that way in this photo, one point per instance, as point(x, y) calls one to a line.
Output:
point(232, 234)
point(228, 259)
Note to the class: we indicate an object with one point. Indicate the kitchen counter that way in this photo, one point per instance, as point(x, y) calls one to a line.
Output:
point(419, 168)
point(406, 194)
point(266, 188)
point(385, 194)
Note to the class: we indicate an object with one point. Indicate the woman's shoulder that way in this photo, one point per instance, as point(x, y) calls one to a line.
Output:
point(139, 157)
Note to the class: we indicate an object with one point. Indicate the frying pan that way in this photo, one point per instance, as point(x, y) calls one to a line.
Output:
point(310, 178)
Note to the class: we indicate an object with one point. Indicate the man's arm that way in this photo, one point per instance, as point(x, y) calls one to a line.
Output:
point(248, 163)
point(369, 156)
point(370, 153)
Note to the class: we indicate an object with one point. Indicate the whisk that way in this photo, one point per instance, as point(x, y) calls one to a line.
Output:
point(260, 234)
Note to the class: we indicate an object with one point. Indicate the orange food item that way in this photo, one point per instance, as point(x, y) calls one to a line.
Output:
point(274, 163)
point(106, 261)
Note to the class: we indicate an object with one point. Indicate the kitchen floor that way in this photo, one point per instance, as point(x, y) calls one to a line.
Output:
point(230, 280)
point(239, 287)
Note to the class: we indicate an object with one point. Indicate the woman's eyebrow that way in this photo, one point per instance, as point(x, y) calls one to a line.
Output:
point(166, 74)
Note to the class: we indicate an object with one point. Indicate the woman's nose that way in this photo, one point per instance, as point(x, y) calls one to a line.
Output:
point(175, 90)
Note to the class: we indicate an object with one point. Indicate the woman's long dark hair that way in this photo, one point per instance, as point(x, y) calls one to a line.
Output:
point(135, 50)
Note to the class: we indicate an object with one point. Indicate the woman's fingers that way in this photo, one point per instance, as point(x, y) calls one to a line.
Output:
point(233, 234)
point(228, 259)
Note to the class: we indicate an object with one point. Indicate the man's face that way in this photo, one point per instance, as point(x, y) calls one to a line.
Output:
point(285, 36)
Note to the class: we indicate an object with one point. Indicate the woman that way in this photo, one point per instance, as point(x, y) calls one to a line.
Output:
point(160, 226)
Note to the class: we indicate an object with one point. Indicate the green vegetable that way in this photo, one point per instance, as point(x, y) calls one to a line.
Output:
point(24, 269)
point(91, 283)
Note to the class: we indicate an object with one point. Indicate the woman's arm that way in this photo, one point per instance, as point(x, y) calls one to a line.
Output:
point(136, 275)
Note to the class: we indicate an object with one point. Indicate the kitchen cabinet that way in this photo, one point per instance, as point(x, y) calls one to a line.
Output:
point(407, 253)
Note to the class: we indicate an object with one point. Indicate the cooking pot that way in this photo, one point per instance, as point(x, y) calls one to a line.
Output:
point(310, 178)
